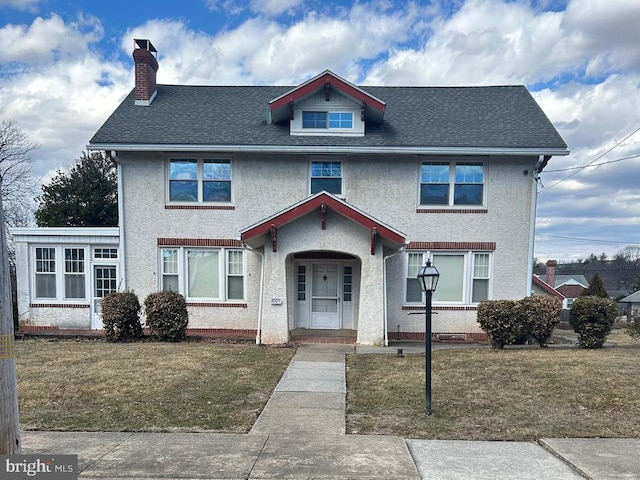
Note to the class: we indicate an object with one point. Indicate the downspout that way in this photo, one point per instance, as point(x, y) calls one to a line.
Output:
point(384, 291)
point(532, 226)
point(121, 240)
point(259, 329)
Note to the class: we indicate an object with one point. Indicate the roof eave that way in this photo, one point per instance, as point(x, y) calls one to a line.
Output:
point(327, 149)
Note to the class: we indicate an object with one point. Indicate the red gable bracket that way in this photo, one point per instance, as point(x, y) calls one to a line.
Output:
point(316, 202)
point(327, 80)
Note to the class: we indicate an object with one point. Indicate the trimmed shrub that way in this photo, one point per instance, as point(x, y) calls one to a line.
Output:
point(499, 319)
point(540, 315)
point(120, 317)
point(592, 318)
point(167, 315)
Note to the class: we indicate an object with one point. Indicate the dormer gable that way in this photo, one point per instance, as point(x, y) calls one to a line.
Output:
point(326, 105)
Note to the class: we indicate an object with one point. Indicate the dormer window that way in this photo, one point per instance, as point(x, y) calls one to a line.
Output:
point(331, 120)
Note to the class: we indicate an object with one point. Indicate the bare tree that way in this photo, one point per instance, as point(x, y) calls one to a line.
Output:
point(17, 172)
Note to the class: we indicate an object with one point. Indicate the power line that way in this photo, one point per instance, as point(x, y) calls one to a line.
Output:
point(593, 166)
point(592, 161)
point(590, 240)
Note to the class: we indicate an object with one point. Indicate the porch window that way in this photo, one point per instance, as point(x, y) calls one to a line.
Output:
point(452, 183)
point(199, 180)
point(326, 176)
point(203, 274)
point(45, 272)
point(74, 273)
point(414, 291)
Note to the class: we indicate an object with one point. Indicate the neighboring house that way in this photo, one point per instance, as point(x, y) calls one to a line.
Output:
point(310, 206)
point(633, 305)
point(566, 287)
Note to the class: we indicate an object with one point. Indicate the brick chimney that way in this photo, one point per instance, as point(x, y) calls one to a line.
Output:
point(146, 68)
point(551, 273)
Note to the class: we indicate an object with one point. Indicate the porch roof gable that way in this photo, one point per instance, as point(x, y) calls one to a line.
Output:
point(314, 202)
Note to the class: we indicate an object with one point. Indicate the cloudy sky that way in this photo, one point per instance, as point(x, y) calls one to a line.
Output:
point(66, 64)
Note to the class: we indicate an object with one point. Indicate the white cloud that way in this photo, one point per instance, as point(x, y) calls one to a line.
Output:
point(48, 39)
point(274, 7)
point(26, 5)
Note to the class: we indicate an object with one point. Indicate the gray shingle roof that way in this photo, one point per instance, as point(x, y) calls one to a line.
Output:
point(424, 117)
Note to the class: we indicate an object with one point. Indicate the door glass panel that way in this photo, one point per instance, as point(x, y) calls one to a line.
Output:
point(106, 282)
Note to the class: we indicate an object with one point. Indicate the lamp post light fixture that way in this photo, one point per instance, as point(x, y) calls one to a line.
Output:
point(428, 278)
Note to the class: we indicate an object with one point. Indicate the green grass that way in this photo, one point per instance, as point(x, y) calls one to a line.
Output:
point(513, 394)
point(145, 386)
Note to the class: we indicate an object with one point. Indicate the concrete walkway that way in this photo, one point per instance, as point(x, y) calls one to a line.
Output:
point(301, 435)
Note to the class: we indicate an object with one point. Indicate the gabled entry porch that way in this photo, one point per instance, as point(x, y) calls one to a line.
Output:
point(314, 254)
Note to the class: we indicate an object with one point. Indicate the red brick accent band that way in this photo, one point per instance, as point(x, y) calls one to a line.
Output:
point(222, 332)
point(459, 308)
point(199, 207)
point(451, 246)
point(445, 337)
point(38, 328)
point(452, 210)
point(199, 242)
point(205, 304)
point(58, 305)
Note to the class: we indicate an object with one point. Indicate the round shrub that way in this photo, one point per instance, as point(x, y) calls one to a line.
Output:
point(167, 315)
point(120, 316)
point(540, 315)
point(592, 318)
point(499, 319)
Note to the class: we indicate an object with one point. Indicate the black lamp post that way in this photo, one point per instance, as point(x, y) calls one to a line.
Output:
point(428, 278)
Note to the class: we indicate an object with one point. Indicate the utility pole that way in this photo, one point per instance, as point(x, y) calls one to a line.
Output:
point(9, 426)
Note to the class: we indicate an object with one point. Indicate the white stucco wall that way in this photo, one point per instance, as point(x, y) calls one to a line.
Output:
point(386, 187)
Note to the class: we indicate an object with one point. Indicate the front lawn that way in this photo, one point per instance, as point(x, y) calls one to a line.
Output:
point(92, 385)
point(513, 394)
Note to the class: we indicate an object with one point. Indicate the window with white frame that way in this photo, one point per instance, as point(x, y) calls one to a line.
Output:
point(452, 183)
point(60, 273)
point(74, 273)
point(464, 276)
point(45, 272)
point(199, 180)
point(330, 120)
point(203, 274)
point(327, 176)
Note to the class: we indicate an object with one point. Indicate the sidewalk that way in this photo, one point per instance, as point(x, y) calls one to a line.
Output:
point(301, 435)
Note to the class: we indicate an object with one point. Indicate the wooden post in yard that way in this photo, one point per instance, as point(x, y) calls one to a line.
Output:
point(9, 426)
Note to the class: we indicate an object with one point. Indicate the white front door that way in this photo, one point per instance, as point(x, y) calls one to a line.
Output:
point(325, 300)
point(105, 281)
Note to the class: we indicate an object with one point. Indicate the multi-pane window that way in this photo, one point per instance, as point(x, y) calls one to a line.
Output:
point(45, 272)
point(235, 275)
point(469, 184)
point(326, 176)
point(199, 180)
point(464, 276)
point(347, 283)
point(414, 291)
point(60, 273)
point(480, 287)
point(170, 270)
point(331, 120)
point(211, 274)
point(105, 253)
point(456, 183)
point(74, 273)
point(302, 283)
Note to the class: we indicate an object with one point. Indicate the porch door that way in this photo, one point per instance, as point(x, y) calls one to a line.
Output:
point(325, 302)
point(105, 281)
